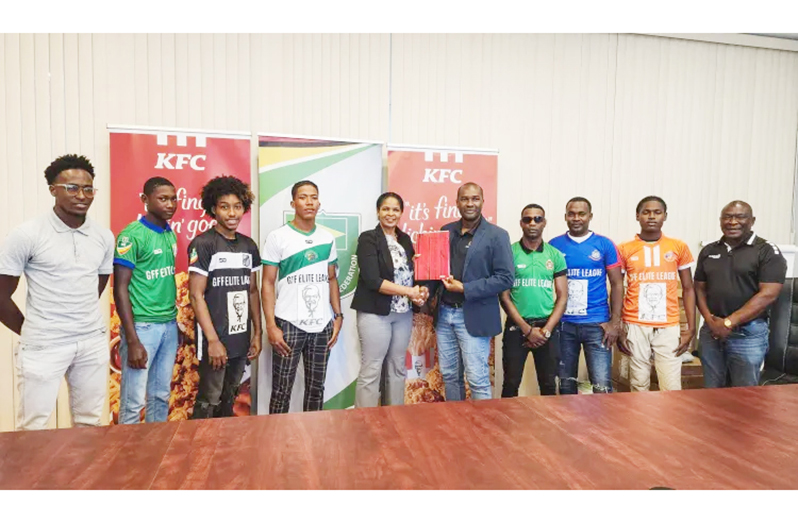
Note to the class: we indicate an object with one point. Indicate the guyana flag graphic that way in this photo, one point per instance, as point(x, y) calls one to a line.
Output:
point(349, 177)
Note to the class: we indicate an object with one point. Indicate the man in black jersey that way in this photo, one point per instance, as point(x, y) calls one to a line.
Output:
point(224, 296)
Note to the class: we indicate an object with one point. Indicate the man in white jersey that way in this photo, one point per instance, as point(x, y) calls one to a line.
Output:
point(301, 300)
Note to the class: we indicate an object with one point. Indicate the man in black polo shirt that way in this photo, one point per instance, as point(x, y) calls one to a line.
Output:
point(736, 280)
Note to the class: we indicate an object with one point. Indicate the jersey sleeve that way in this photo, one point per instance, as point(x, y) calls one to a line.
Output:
point(685, 257)
point(772, 265)
point(612, 258)
point(15, 253)
point(560, 267)
point(199, 256)
point(126, 249)
point(107, 266)
point(255, 253)
point(271, 250)
point(700, 274)
point(623, 257)
point(333, 259)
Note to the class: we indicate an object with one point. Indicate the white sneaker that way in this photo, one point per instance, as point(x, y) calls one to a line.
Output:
point(687, 357)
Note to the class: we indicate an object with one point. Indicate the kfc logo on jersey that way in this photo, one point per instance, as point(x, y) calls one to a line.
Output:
point(237, 311)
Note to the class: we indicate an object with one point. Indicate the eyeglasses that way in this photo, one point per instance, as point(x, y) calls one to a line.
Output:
point(529, 219)
point(738, 217)
point(73, 190)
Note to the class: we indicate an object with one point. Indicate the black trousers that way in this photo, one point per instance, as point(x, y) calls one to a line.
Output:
point(218, 389)
point(514, 354)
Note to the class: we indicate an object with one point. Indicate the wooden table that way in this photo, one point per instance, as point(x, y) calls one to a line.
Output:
point(698, 439)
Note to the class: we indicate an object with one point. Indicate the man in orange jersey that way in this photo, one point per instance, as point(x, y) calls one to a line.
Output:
point(652, 263)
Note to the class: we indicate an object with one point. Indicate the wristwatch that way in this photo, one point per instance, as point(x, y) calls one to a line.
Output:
point(338, 315)
point(546, 332)
point(727, 322)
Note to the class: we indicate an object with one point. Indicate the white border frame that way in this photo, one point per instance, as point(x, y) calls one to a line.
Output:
point(422, 148)
point(143, 129)
point(308, 137)
point(745, 40)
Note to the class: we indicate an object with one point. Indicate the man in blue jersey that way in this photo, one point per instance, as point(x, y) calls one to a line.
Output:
point(587, 322)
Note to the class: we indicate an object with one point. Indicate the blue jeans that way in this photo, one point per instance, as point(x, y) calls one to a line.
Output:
point(459, 351)
point(575, 336)
point(737, 359)
point(153, 382)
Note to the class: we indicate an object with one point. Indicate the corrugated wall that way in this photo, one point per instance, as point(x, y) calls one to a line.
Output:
point(609, 117)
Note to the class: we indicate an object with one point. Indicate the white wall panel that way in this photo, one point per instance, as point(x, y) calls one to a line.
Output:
point(612, 118)
point(609, 117)
point(702, 124)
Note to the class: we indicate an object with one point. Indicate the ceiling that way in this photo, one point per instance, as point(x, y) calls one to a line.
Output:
point(789, 36)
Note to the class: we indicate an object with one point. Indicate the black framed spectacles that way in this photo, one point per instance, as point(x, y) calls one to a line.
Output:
point(530, 219)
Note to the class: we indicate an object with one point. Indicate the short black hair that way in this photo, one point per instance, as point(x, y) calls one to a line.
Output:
point(65, 163)
point(384, 196)
point(534, 206)
point(470, 184)
point(302, 183)
point(651, 199)
point(222, 186)
point(155, 182)
point(744, 205)
point(580, 199)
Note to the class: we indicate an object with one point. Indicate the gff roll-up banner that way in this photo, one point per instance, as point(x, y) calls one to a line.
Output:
point(349, 176)
point(189, 159)
point(427, 179)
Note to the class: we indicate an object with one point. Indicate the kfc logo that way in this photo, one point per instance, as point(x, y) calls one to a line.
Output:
point(441, 175)
point(177, 161)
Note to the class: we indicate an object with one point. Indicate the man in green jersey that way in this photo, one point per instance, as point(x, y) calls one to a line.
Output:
point(532, 311)
point(145, 294)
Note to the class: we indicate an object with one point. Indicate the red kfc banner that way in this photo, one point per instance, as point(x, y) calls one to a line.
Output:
point(189, 159)
point(427, 179)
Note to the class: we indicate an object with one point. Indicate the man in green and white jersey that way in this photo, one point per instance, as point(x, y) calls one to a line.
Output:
point(301, 300)
point(145, 294)
point(532, 311)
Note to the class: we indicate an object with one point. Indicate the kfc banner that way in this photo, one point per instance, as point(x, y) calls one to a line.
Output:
point(349, 177)
point(427, 179)
point(189, 159)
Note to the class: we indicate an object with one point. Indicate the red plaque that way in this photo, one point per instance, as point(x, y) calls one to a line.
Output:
point(432, 262)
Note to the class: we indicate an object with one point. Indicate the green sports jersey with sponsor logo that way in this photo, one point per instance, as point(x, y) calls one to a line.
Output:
point(150, 252)
point(533, 289)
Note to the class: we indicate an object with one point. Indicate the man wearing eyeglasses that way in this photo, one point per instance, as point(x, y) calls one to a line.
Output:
point(532, 311)
point(736, 280)
point(468, 315)
point(67, 259)
point(145, 293)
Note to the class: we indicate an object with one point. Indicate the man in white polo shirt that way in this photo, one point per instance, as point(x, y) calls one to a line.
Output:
point(66, 259)
point(301, 300)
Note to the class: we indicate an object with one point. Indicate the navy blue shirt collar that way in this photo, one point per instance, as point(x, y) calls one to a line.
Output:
point(154, 227)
